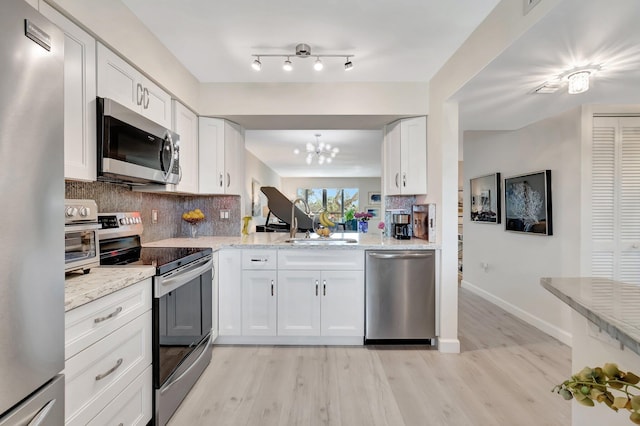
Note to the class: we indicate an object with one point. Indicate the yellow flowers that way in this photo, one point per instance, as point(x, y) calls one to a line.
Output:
point(193, 216)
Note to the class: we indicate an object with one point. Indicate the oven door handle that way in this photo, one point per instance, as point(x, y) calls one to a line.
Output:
point(174, 279)
point(172, 381)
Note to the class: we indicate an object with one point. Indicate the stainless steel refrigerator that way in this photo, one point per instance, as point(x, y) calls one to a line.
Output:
point(32, 222)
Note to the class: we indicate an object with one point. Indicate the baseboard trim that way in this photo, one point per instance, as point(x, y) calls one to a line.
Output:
point(448, 346)
point(542, 325)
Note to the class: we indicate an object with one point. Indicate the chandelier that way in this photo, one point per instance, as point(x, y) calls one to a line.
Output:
point(302, 51)
point(322, 152)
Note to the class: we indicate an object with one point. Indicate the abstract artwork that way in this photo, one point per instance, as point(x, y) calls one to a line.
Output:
point(528, 203)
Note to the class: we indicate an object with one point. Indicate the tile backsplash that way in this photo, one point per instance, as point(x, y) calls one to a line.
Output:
point(120, 198)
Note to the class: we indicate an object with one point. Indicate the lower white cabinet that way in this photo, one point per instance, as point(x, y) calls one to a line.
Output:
point(229, 293)
point(259, 303)
point(320, 303)
point(108, 359)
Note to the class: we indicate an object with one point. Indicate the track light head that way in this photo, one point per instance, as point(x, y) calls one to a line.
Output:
point(318, 65)
point(257, 65)
point(287, 65)
point(348, 66)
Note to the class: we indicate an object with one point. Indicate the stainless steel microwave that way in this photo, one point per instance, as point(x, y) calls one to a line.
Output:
point(133, 149)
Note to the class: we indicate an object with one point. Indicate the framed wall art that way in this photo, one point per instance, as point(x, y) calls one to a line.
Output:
point(373, 211)
point(374, 198)
point(485, 199)
point(527, 200)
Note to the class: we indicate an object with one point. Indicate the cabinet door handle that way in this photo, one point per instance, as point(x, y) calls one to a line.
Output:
point(41, 416)
point(111, 315)
point(109, 371)
point(272, 287)
point(397, 175)
point(221, 177)
point(316, 287)
point(146, 98)
point(324, 287)
point(139, 94)
point(228, 180)
point(264, 259)
point(404, 179)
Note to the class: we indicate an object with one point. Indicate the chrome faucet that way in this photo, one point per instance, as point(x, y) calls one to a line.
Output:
point(294, 220)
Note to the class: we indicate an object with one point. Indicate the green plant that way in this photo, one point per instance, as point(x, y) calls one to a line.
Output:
point(350, 214)
point(598, 384)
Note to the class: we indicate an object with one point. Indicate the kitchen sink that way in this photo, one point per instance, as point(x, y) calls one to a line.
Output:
point(321, 241)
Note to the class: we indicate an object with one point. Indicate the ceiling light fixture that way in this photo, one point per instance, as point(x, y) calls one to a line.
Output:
point(322, 152)
point(578, 78)
point(302, 51)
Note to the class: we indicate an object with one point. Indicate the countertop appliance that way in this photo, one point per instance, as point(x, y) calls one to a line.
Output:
point(182, 306)
point(401, 226)
point(81, 250)
point(32, 227)
point(133, 149)
point(424, 222)
point(400, 295)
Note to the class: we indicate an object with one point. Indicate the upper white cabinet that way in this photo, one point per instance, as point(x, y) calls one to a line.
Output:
point(405, 157)
point(79, 98)
point(221, 156)
point(121, 82)
point(185, 124)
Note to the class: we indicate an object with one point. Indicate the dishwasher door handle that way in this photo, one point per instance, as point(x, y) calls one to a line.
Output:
point(400, 255)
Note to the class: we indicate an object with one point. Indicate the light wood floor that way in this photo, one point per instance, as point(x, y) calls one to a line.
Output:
point(503, 376)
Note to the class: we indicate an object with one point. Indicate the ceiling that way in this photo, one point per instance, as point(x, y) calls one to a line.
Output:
point(404, 40)
point(392, 41)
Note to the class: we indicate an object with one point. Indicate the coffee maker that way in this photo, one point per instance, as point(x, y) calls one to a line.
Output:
point(401, 226)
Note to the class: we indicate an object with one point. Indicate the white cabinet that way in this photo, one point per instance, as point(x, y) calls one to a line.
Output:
point(320, 302)
point(221, 157)
point(108, 359)
point(259, 292)
point(229, 293)
point(215, 276)
point(185, 124)
point(405, 157)
point(79, 98)
point(124, 84)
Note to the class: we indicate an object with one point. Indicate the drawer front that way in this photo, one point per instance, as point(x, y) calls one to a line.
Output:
point(259, 259)
point(89, 323)
point(334, 260)
point(133, 406)
point(96, 375)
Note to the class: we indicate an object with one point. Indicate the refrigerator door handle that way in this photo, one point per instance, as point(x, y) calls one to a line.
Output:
point(42, 414)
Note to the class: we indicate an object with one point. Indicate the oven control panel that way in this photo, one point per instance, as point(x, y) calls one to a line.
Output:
point(122, 224)
point(79, 211)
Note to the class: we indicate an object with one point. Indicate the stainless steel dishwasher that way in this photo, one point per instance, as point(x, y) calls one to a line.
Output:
point(400, 295)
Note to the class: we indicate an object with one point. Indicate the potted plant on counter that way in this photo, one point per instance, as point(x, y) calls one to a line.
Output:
point(350, 222)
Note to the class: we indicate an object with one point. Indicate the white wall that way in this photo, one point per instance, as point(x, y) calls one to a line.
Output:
point(517, 261)
point(265, 176)
point(364, 185)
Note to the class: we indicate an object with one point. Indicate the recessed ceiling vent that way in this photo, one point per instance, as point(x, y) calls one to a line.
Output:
point(546, 88)
point(529, 4)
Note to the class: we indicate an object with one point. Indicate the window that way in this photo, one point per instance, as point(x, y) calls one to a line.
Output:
point(336, 201)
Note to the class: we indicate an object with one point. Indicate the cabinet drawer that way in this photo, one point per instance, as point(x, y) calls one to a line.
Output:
point(324, 259)
point(132, 406)
point(259, 259)
point(96, 375)
point(89, 323)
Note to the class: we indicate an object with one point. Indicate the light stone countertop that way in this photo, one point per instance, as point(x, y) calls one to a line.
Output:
point(611, 305)
point(80, 289)
point(269, 240)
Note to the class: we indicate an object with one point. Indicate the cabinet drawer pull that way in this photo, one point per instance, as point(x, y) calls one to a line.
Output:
point(111, 370)
point(324, 287)
point(272, 287)
point(111, 315)
point(260, 260)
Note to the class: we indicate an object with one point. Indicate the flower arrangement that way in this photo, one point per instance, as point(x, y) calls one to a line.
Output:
point(596, 384)
point(363, 216)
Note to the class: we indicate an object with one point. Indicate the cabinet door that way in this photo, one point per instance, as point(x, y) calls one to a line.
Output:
point(298, 303)
point(234, 159)
point(391, 159)
point(259, 303)
point(185, 124)
point(229, 293)
point(118, 80)
point(342, 303)
point(156, 103)
point(214, 296)
point(79, 98)
point(211, 178)
point(413, 153)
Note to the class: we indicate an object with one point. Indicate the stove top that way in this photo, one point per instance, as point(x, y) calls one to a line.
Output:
point(164, 259)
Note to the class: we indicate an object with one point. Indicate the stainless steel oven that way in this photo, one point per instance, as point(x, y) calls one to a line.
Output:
point(182, 306)
point(81, 247)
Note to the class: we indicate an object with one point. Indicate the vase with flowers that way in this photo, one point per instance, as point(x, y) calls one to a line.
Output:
point(381, 228)
point(363, 221)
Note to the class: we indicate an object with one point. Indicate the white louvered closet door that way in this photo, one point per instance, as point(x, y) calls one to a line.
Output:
point(615, 198)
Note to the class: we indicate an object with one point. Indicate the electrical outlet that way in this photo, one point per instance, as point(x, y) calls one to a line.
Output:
point(154, 216)
point(224, 214)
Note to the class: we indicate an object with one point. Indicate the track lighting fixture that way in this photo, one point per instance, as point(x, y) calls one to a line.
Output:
point(302, 51)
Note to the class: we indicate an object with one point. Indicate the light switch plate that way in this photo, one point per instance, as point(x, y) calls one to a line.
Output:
point(154, 216)
point(224, 214)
